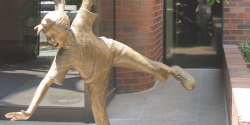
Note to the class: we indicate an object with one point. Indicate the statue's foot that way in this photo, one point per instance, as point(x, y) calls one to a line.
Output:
point(186, 80)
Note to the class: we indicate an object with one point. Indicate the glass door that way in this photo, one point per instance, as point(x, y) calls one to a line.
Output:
point(193, 33)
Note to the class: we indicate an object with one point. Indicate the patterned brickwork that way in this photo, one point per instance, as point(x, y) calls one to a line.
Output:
point(237, 86)
point(106, 28)
point(139, 24)
point(236, 21)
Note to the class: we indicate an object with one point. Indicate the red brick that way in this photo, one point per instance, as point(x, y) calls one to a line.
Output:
point(149, 47)
point(150, 85)
point(149, 22)
point(107, 23)
point(145, 3)
point(229, 26)
point(119, 81)
point(230, 15)
point(158, 2)
point(131, 81)
point(123, 35)
point(237, 21)
point(229, 37)
point(119, 29)
point(107, 16)
point(247, 10)
point(123, 75)
point(123, 23)
point(130, 3)
point(247, 21)
point(107, 3)
point(137, 74)
point(108, 35)
point(144, 41)
point(120, 92)
point(145, 29)
point(130, 16)
point(138, 9)
point(123, 9)
point(107, 9)
point(243, 37)
point(234, 80)
point(111, 82)
point(118, 3)
point(243, 4)
point(243, 15)
point(119, 69)
point(226, 42)
point(237, 32)
point(150, 9)
point(128, 70)
point(226, 32)
point(124, 88)
point(226, 20)
point(107, 29)
point(231, 4)
point(138, 87)
point(150, 35)
point(145, 15)
point(130, 42)
point(237, 10)
point(130, 29)
point(247, 32)
point(145, 79)
point(158, 7)
point(138, 48)
point(137, 22)
point(138, 35)
point(118, 17)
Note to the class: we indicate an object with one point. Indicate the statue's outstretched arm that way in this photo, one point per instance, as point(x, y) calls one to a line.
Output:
point(60, 4)
point(87, 4)
point(40, 93)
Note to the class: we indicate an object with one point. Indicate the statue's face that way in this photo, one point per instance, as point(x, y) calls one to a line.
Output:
point(56, 36)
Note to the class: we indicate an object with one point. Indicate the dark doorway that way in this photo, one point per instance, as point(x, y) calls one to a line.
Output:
point(192, 34)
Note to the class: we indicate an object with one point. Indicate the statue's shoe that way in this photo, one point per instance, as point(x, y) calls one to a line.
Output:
point(186, 80)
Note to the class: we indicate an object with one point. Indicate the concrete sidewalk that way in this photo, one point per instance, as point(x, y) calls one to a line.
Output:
point(170, 104)
point(166, 104)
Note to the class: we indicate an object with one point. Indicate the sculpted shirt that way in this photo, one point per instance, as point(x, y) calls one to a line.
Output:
point(89, 55)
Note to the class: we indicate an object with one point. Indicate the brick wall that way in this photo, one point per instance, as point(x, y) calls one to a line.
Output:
point(236, 27)
point(237, 86)
point(106, 29)
point(139, 24)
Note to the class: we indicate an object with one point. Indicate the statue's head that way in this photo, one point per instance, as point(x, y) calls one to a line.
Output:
point(55, 26)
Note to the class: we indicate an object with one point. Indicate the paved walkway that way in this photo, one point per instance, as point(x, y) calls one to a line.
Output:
point(170, 104)
point(166, 104)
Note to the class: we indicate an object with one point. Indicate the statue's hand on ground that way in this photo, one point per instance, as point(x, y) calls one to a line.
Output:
point(23, 115)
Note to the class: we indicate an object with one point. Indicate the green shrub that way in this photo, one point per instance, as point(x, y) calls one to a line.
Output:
point(245, 46)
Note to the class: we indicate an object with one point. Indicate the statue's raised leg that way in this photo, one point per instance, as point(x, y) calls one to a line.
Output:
point(127, 57)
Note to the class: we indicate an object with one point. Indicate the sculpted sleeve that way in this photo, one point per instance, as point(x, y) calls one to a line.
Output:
point(84, 20)
point(59, 68)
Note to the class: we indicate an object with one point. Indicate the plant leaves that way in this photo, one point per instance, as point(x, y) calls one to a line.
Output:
point(226, 1)
point(211, 2)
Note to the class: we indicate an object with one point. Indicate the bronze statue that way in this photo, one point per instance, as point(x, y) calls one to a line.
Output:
point(92, 57)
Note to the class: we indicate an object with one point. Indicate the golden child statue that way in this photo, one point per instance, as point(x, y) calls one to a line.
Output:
point(92, 57)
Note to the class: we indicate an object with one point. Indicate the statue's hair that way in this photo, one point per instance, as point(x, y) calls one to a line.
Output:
point(58, 18)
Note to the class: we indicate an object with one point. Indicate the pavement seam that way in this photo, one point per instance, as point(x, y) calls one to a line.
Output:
point(199, 98)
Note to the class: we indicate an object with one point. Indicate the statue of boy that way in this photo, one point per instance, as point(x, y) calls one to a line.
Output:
point(92, 57)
